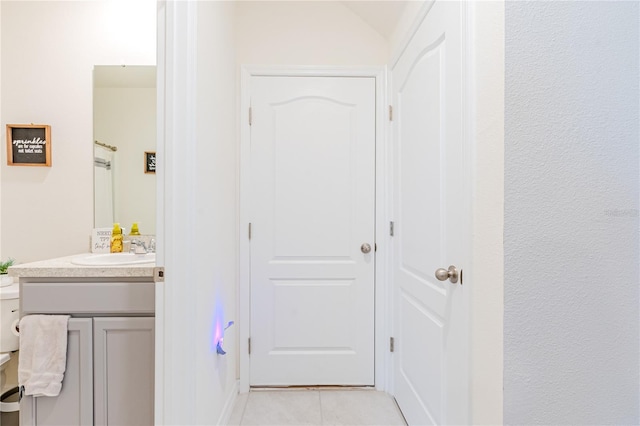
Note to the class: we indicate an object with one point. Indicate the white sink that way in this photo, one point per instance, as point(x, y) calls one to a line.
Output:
point(114, 259)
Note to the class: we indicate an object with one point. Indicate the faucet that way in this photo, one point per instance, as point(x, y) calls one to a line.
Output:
point(139, 247)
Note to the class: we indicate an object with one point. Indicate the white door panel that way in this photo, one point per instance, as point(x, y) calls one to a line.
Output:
point(312, 206)
point(430, 361)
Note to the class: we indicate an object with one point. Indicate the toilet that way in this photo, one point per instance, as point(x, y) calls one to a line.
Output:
point(4, 360)
point(9, 338)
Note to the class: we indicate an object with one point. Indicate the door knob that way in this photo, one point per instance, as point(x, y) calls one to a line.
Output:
point(450, 274)
point(365, 248)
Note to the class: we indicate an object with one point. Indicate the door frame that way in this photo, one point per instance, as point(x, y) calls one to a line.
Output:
point(381, 289)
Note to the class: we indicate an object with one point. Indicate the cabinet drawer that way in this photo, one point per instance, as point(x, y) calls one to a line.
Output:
point(87, 298)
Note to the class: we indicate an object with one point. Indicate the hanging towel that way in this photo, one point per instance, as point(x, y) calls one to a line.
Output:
point(43, 354)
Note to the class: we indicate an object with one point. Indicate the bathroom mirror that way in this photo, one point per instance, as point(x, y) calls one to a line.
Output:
point(124, 129)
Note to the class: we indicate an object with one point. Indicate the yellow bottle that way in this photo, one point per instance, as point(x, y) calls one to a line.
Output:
point(134, 229)
point(116, 239)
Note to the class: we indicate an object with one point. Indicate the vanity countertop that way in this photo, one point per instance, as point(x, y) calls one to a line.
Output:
point(63, 268)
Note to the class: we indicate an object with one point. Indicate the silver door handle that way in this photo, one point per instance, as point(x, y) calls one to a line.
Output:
point(450, 274)
point(365, 248)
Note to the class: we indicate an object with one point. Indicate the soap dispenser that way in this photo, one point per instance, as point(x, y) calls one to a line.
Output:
point(116, 239)
point(134, 229)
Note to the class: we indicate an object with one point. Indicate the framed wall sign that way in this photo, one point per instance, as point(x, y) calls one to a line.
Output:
point(29, 145)
point(149, 161)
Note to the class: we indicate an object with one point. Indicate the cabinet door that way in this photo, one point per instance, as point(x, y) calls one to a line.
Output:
point(124, 371)
point(74, 405)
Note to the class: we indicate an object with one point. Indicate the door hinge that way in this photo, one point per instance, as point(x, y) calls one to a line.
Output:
point(391, 344)
point(390, 113)
point(158, 274)
point(391, 224)
point(250, 116)
point(249, 345)
point(249, 230)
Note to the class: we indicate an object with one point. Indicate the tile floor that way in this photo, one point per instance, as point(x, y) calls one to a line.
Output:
point(315, 406)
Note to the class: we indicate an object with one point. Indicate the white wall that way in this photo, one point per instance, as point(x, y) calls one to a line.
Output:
point(198, 218)
point(48, 52)
point(305, 33)
point(126, 118)
point(216, 212)
point(571, 213)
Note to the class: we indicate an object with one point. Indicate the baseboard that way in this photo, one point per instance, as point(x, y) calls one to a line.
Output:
point(230, 401)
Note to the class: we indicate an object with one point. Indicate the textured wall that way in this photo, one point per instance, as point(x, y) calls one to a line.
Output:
point(571, 213)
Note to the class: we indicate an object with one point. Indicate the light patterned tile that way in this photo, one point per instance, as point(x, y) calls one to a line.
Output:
point(359, 407)
point(281, 408)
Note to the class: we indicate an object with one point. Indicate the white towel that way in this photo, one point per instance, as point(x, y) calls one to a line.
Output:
point(43, 354)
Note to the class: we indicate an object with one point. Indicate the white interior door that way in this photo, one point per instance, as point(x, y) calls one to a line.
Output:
point(431, 333)
point(312, 208)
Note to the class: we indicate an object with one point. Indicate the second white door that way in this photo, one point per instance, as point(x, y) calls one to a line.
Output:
point(312, 225)
point(431, 358)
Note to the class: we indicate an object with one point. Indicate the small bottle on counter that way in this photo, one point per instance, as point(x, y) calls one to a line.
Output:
point(116, 239)
point(134, 229)
point(131, 237)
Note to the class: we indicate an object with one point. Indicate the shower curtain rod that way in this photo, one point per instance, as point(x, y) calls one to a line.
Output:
point(111, 147)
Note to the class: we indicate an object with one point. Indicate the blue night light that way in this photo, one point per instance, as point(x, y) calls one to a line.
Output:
point(219, 349)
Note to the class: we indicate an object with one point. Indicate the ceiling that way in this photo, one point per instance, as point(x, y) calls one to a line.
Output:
point(383, 16)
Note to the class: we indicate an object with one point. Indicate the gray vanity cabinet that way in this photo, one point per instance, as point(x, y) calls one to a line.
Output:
point(109, 377)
